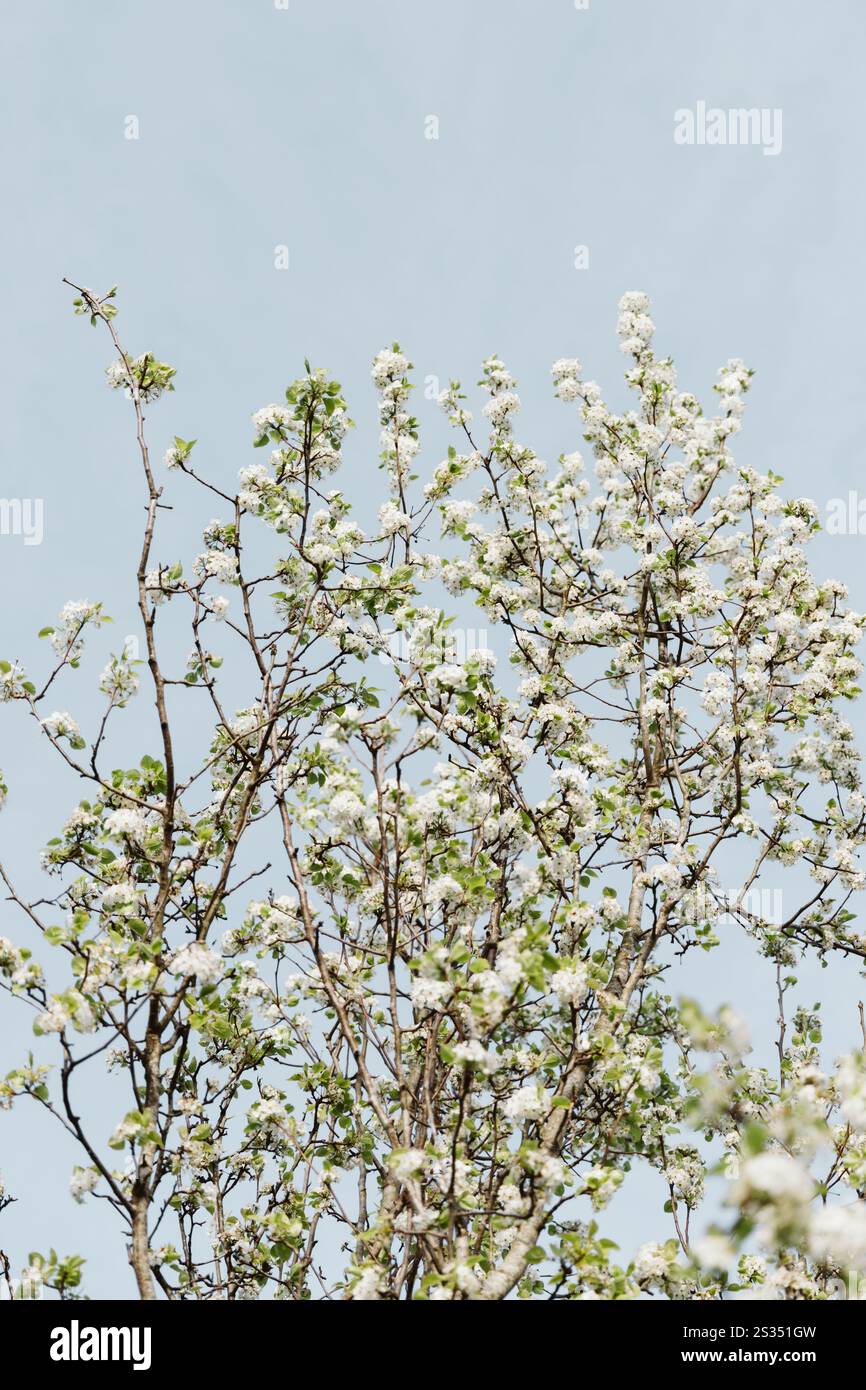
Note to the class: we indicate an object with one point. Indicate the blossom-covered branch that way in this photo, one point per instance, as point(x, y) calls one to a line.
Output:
point(423, 1058)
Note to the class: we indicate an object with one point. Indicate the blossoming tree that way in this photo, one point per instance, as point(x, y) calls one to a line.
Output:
point(386, 969)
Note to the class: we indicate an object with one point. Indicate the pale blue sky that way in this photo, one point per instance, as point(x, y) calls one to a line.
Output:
point(306, 127)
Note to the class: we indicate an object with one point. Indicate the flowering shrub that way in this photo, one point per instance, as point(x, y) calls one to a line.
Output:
point(423, 1059)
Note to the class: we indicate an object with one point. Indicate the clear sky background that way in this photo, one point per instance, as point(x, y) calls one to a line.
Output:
point(260, 127)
